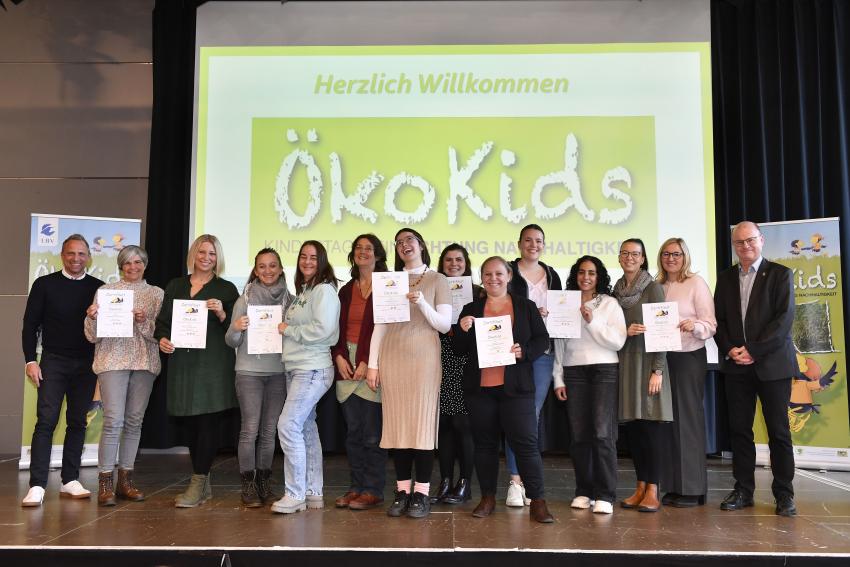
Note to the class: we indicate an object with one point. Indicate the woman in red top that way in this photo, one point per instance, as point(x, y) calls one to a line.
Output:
point(361, 406)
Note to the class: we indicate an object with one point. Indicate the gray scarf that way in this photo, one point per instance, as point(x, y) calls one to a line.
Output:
point(258, 294)
point(627, 295)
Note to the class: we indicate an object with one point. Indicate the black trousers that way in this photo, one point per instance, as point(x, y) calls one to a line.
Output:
point(686, 466)
point(592, 392)
point(367, 460)
point(62, 378)
point(741, 393)
point(490, 413)
point(646, 444)
point(455, 443)
point(203, 439)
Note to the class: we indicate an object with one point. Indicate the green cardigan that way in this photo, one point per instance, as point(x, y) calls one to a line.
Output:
point(200, 380)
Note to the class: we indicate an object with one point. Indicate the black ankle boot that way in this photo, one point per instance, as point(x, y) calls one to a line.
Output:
point(249, 491)
point(264, 486)
point(442, 491)
point(460, 494)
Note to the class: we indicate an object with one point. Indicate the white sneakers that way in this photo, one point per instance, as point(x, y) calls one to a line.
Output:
point(34, 497)
point(602, 507)
point(289, 505)
point(581, 503)
point(74, 490)
point(516, 496)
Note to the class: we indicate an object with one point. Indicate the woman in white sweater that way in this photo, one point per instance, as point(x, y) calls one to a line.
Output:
point(586, 374)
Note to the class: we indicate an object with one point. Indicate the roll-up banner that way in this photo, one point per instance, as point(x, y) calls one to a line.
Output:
point(818, 410)
point(106, 237)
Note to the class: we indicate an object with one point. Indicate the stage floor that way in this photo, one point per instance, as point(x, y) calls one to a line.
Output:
point(822, 527)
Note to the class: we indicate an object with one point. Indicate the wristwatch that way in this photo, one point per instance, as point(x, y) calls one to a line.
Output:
point(659, 372)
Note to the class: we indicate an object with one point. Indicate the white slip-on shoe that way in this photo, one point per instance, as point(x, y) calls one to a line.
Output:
point(603, 507)
point(581, 503)
point(74, 490)
point(34, 497)
point(516, 495)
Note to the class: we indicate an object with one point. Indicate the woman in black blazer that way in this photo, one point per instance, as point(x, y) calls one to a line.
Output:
point(503, 396)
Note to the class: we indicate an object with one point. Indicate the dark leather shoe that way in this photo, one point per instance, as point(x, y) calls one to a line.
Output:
point(442, 491)
point(344, 501)
point(736, 500)
point(420, 505)
point(486, 506)
point(365, 502)
point(669, 498)
point(400, 503)
point(785, 506)
point(539, 512)
point(688, 501)
point(460, 493)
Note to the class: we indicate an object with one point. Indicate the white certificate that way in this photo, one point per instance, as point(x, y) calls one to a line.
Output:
point(189, 324)
point(494, 338)
point(389, 297)
point(662, 327)
point(263, 335)
point(461, 288)
point(114, 313)
point(564, 320)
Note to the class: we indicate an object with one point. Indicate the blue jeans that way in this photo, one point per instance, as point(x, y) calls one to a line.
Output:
point(260, 403)
point(125, 395)
point(542, 369)
point(298, 433)
point(367, 460)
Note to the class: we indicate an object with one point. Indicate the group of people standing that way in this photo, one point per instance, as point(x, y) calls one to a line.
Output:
point(406, 387)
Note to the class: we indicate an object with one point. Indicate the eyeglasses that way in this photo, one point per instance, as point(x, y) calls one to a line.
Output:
point(405, 240)
point(674, 255)
point(634, 254)
point(746, 242)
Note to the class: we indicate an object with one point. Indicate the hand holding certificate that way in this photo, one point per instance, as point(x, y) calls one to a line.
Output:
point(189, 324)
point(389, 297)
point(461, 290)
point(564, 319)
point(114, 313)
point(263, 335)
point(662, 327)
point(494, 340)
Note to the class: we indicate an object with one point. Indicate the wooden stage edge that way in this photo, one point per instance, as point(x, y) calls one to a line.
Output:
point(222, 532)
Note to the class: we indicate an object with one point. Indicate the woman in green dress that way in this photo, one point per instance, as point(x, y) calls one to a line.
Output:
point(200, 381)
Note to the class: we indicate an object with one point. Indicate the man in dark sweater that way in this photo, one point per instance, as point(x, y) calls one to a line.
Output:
point(56, 307)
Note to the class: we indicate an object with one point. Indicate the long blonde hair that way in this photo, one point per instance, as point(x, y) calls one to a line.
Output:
point(196, 245)
point(685, 272)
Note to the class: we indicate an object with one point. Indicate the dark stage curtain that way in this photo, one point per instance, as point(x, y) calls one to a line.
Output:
point(781, 103)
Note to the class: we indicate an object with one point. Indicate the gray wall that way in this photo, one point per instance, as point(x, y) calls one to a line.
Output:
point(75, 114)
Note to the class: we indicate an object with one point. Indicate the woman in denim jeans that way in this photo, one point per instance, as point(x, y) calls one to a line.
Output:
point(260, 385)
point(126, 368)
point(532, 279)
point(310, 328)
point(586, 376)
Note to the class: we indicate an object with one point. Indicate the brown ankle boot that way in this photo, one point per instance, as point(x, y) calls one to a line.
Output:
point(634, 500)
point(486, 506)
point(539, 512)
point(650, 502)
point(105, 492)
point(126, 489)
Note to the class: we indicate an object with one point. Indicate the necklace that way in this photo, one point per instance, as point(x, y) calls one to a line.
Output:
point(413, 285)
point(364, 290)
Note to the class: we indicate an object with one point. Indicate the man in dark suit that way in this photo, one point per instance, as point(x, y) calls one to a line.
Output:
point(754, 304)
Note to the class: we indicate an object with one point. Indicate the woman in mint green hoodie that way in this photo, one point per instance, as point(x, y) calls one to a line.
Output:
point(310, 328)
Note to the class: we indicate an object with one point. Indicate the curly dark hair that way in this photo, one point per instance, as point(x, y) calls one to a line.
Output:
point(380, 254)
point(603, 280)
point(454, 246)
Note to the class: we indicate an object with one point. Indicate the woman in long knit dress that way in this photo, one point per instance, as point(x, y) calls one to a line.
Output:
point(404, 359)
point(645, 397)
point(687, 478)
